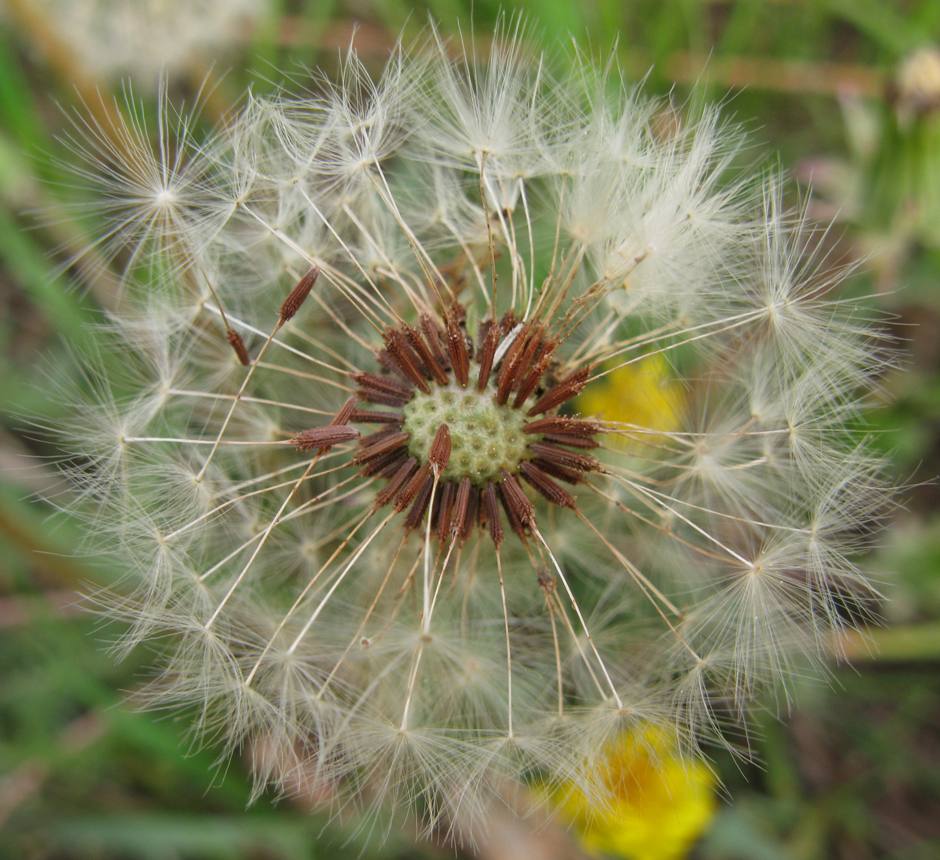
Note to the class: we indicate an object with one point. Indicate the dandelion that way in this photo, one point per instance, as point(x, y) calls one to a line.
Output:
point(646, 394)
point(659, 802)
point(917, 86)
point(341, 442)
point(142, 38)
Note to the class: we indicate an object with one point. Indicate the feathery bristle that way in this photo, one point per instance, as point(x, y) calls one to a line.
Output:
point(612, 471)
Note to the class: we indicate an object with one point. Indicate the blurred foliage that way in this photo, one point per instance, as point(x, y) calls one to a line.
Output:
point(854, 774)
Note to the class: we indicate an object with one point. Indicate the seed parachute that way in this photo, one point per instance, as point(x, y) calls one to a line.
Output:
point(343, 434)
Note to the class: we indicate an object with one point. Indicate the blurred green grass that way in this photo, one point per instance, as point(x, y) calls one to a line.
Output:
point(853, 775)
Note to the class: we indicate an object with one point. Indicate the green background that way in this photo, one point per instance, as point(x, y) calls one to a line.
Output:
point(853, 773)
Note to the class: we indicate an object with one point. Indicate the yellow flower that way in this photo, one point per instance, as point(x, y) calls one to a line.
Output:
point(657, 804)
point(644, 394)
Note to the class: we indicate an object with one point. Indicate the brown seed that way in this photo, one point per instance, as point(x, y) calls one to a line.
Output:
point(439, 455)
point(382, 443)
point(572, 476)
point(565, 390)
point(362, 416)
point(457, 350)
point(402, 474)
point(487, 353)
point(516, 500)
point(382, 398)
point(235, 339)
point(483, 329)
point(532, 348)
point(324, 438)
point(545, 580)
point(571, 441)
point(490, 510)
point(378, 436)
point(298, 295)
point(459, 313)
point(418, 480)
point(445, 510)
point(427, 354)
point(385, 464)
point(559, 424)
point(389, 365)
point(571, 459)
point(345, 411)
point(470, 518)
point(416, 514)
point(407, 360)
point(383, 384)
point(461, 504)
point(509, 370)
point(530, 383)
point(545, 485)
point(507, 322)
point(515, 522)
point(436, 339)
point(391, 463)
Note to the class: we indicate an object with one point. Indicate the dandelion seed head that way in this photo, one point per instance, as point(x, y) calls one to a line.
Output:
point(146, 37)
point(378, 431)
point(917, 83)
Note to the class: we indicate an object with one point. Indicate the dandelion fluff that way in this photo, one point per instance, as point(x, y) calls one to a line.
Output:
point(144, 37)
point(335, 439)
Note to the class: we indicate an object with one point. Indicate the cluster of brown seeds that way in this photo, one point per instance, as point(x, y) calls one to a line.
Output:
point(508, 369)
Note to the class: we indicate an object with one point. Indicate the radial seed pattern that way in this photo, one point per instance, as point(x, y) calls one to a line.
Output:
point(339, 449)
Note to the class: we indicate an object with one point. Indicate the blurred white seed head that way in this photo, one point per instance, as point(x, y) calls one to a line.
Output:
point(142, 38)
point(334, 440)
point(917, 83)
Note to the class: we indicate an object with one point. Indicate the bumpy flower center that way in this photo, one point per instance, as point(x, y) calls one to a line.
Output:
point(469, 429)
point(486, 438)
